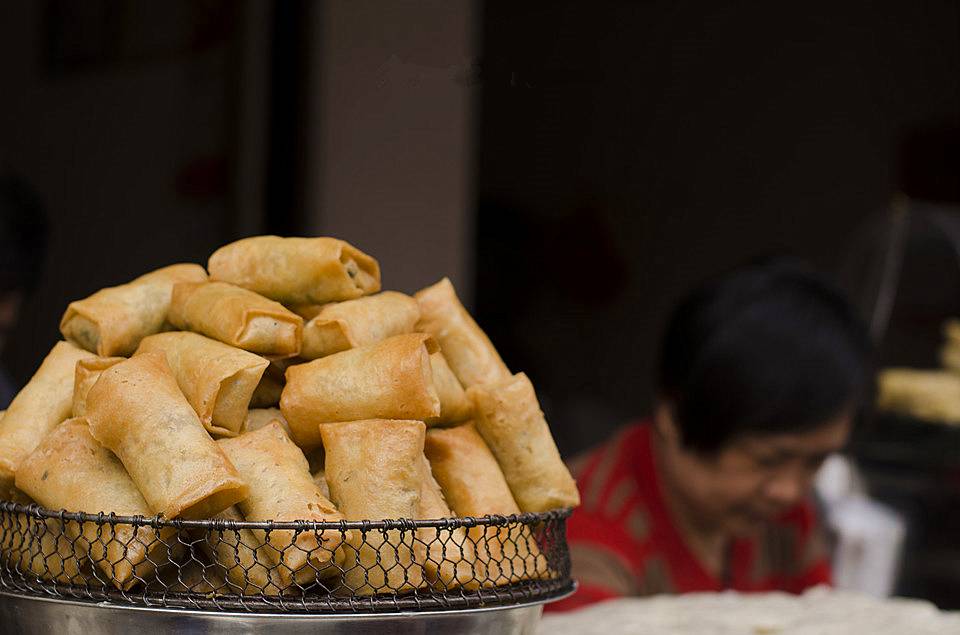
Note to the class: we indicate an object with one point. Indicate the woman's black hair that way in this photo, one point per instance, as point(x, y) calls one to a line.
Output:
point(771, 347)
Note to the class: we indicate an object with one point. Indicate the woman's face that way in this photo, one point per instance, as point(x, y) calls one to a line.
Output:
point(754, 478)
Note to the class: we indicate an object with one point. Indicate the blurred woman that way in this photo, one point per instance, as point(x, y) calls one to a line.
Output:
point(761, 376)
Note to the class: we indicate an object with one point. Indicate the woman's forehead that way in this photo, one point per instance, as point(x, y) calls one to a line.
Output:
point(829, 437)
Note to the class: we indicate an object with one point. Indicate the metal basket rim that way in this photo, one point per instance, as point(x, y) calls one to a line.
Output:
point(222, 524)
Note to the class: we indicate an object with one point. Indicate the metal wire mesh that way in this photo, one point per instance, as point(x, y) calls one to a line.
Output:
point(295, 566)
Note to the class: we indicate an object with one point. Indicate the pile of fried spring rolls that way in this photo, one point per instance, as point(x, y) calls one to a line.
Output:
point(280, 384)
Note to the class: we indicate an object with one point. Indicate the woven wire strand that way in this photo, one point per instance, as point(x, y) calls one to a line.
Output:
point(290, 566)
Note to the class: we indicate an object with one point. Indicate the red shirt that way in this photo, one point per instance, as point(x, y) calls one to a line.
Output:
point(623, 540)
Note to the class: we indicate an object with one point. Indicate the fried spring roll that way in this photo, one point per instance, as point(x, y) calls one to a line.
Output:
point(297, 270)
point(70, 470)
point(136, 410)
point(43, 403)
point(41, 547)
point(340, 326)
point(454, 404)
point(237, 317)
point(447, 555)
point(244, 557)
point(282, 488)
point(467, 348)
point(85, 375)
point(373, 469)
point(473, 485)
point(195, 577)
point(509, 419)
point(112, 321)
point(218, 380)
point(391, 379)
point(260, 417)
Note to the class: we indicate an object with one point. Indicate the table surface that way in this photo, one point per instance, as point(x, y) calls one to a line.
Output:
point(820, 611)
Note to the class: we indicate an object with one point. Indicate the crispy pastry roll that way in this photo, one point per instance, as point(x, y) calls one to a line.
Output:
point(340, 326)
point(454, 404)
point(44, 402)
point(374, 472)
point(391, 379)
point(40, 546)
point(282, 488)
point(195, 577)
point(237, 317)
point(218, 380)
point(297, 270)
point(112, 321)
point(467, 348)
point(447, 555)
point(509, 419)
point(85, 375)
point(137, 412)
point(260, 417)
point(473, 485)
point(70, 470)
point(43, 548)
point(245, 558)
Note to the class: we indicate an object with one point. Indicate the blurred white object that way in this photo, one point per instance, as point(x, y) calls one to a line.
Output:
point(819, 611)
point(869, 535)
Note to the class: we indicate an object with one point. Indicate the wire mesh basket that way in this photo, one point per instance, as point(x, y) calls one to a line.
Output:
point(283, 567)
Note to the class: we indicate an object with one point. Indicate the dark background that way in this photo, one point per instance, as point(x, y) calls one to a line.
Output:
point(629, 150)
point(574, 167)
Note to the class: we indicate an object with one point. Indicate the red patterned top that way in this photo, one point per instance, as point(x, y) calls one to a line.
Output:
point(623, 540)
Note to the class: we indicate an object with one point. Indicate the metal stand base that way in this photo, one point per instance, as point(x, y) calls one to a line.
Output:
point(45, 616)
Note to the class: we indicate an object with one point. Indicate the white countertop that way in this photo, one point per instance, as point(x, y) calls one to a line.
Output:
point(820, 611)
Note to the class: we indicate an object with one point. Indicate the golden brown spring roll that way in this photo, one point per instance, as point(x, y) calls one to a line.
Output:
point(260, 417)
point(218, 380)
point(509, 419)
point(454, 404)
point(473, 485)
point(340, 326)
point(467, 348)
point(237, 317)
point(41, 548)
point(447, 555)
point(85, 375)
point(194, 576)
point(297, 270)
point(374, 471)
point(244, 557)
point(70, 470)
point(391, 379)
point(282, 488)
point(112, 321)
point(136, 410)
point(43, 403)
